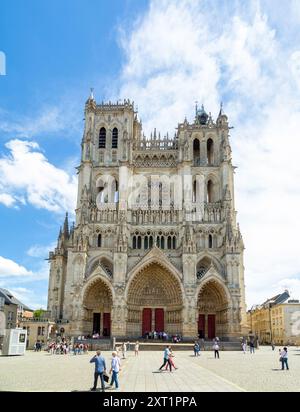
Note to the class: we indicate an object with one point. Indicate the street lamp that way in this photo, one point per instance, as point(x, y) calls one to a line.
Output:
point(270, 321)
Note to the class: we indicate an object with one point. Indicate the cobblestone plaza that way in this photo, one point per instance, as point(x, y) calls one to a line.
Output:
point(233, 372)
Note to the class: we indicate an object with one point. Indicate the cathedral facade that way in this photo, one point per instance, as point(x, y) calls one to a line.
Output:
point(155, 245)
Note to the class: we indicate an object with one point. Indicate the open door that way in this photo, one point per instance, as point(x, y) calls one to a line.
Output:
point(96, 323)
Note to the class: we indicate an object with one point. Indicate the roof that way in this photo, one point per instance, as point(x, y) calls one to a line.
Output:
point(7, 298)
point(10, 299)
point(277, 299)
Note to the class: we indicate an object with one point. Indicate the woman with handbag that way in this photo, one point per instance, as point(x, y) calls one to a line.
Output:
point(284, 358)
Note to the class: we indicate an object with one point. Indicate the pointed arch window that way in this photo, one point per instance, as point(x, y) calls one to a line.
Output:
point(210, 241)
point(114, 141)
point(210, 152)
point(139, 242)
point(196, 152)
point(134, 242)
point(102, 138)
point(169, 242)
point(174, 242)
point(194, 191)
point(150, 241)
point(146, 243)
point(210, 191)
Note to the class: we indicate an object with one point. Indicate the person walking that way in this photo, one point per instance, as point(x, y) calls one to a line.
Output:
point(244, 347)
point(216, 348)
point(136, 348)
point(115, 369)
point(251, 345)
point(166, 358)
point(124, 350)
point(100, 369)
point(171, 356)
point(284, 358)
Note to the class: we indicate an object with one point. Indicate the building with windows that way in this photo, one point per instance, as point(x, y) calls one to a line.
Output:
point(155, 245)
point(9, 308)
point(38, 329)
point(276, 320)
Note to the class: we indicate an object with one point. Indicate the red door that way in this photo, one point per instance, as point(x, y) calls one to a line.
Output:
point(147, 320)
point(159, 320)
point(201, 326)
point(106, 324)
point(211, 320)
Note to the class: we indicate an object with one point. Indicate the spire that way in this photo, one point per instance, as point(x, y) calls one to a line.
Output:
point(91, 102)
point(196, 107)
point(92, 94)
point(66, 226)
point(221, 110)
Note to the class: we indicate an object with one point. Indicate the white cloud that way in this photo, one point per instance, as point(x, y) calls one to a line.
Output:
point(64, 117)
point(10, 268)
point(39, 251)
point(182, 51)
point(26, 176)
point(7, 199)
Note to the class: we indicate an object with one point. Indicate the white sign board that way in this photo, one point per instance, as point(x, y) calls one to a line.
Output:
point(14, 342)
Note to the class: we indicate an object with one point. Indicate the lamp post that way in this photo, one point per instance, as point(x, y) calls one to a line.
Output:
point(270, 321)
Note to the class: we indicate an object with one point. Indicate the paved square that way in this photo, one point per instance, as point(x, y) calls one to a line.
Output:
point(234, 371)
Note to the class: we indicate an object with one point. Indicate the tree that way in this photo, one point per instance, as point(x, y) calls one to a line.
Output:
point(38, 313)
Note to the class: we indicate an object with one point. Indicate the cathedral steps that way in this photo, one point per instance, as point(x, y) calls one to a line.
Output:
point(234, 345)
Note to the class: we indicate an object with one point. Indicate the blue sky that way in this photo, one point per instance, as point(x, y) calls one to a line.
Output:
point(164, 55)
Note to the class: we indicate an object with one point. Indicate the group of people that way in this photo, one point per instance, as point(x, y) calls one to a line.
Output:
point(215, 347)
point(101, 372)
point(65, 347)
point(125, 346)
point(251, 346)
point(168, 359)
point(162, 336)
point(38, 346)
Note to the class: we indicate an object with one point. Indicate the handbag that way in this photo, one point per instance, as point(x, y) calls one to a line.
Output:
point(105, 377)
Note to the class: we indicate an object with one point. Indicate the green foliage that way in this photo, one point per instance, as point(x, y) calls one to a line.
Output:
point(38, 313)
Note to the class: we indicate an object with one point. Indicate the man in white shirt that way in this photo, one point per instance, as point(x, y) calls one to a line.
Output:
point(115, 369)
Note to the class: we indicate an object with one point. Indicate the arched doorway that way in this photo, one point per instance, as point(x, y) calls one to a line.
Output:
point(97, 304)
point(212, 308)
point(154, 302)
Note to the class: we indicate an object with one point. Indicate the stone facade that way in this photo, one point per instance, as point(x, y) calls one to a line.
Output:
point(155, 244)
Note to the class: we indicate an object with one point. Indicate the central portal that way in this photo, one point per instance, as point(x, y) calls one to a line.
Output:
point(154, 302)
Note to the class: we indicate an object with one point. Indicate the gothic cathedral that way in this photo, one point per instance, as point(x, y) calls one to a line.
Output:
point(155, 245)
